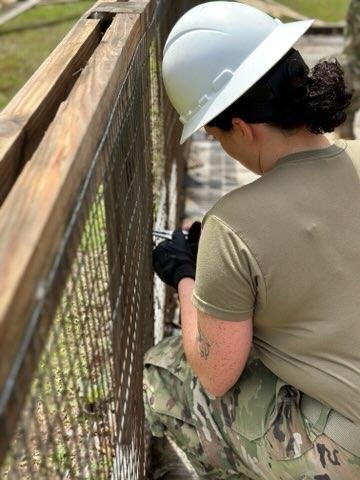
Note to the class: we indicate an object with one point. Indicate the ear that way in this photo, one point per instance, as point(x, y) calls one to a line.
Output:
point(244, 129)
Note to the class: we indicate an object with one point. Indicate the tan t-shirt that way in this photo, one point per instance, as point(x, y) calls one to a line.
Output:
point(285, 249)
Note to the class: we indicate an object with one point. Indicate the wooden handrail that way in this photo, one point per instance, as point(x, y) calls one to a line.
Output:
point(24, 121)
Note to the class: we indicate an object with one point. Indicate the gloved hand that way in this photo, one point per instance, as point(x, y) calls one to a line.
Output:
point(194, 237)
point(173, 259)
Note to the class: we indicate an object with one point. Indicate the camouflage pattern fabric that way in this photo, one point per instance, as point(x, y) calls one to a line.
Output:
point(255, 431)
point(351, 58)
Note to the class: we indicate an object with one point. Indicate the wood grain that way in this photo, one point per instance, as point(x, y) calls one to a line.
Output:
point(139, 7)
point(26, 118)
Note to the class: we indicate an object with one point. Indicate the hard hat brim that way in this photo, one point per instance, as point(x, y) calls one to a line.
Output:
point(256, 65)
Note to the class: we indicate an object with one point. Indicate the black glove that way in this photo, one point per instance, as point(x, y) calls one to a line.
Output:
point(194, 237)
point(173, 259)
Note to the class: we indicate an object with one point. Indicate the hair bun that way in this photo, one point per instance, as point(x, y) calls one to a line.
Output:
point(328, 97)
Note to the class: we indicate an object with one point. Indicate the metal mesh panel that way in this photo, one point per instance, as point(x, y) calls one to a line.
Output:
point(94, 315)
point(169, 160)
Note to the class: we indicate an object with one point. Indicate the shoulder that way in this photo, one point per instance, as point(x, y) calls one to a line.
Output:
point(253, 201)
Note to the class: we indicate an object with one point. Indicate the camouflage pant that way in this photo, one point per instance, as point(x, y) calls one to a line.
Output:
point(255, 431)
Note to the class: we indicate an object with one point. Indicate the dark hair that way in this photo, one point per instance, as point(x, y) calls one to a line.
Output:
point(290, 96)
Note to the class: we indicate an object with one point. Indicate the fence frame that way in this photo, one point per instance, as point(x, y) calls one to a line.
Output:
point(68, 97)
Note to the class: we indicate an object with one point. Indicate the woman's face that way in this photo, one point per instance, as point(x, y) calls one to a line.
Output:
point(235, 144)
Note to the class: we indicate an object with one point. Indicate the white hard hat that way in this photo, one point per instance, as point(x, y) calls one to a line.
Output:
point(216, 52)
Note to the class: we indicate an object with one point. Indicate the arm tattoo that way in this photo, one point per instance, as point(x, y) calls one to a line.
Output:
point(204, 345)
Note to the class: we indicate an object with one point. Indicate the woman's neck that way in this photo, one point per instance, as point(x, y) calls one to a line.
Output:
point(284, 143)
point(305, 141)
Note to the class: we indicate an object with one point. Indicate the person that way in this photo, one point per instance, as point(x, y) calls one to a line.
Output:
point(264, 382)
point(351, 65)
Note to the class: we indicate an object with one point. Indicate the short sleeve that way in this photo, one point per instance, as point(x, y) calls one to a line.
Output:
point(229, 284)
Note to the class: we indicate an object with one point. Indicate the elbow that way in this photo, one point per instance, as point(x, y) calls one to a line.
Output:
point(211, 383)
point(215, 389)
point(216, 384)
point(217, 393)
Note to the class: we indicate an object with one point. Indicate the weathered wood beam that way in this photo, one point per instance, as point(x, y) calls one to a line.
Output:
point(25, 119)
point(130, 6)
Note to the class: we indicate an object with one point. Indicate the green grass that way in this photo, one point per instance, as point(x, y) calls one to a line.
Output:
point(28, 39)
point(327, 10)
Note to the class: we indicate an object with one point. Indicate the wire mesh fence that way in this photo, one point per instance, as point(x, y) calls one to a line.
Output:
point(94, 313)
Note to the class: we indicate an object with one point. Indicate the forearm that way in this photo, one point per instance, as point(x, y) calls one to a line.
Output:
point(217, 350)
